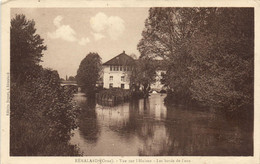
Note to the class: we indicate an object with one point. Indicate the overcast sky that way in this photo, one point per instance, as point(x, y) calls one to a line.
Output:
point(70, 34)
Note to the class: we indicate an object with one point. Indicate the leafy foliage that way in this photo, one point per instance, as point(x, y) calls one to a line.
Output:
point(143, 74)
point(45, 113)
point(89, 73)
point(42, 112)
point(209, 53)
point(26, 47)
point(229, 62)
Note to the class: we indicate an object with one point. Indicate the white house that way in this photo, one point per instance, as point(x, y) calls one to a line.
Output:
point(117, 71)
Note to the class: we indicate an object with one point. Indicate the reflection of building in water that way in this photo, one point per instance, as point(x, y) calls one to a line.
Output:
point(154, 106)
point(158, 107)
point(113, 116)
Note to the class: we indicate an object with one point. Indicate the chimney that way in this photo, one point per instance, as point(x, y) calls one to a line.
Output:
point(123, 51)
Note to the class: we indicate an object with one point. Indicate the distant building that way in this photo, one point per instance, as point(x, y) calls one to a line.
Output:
point(117, 71)
point(160, 71)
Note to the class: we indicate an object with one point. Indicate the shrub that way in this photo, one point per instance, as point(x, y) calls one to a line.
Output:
point(42, 116)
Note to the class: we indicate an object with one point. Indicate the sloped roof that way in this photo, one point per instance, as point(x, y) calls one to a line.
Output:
point(121, 59)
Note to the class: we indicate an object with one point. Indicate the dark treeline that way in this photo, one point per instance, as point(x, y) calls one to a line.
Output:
point(209, 54)
point(42, 112)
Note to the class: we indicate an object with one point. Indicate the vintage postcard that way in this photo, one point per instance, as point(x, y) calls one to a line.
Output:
point(129, 82)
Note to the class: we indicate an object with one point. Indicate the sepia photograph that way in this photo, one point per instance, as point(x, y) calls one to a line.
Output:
point(131, 82)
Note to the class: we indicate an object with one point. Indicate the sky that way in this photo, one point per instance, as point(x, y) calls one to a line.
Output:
point(71, 33)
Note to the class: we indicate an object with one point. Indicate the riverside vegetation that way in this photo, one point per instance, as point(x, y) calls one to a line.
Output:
point(209, 55)
point(42, 112)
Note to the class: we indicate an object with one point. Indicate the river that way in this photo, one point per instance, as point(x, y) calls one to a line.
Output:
point(150, 128)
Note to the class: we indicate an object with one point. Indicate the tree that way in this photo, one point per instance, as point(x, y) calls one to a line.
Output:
point(26, 47)
point(89, 73)
point(143, 75)
point(42, 113)
point(227, 57)
point(208, 52)
point(166, 35)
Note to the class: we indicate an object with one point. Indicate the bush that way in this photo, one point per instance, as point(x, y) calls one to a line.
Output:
point(42, 116)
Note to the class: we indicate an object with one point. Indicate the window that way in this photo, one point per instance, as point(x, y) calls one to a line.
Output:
point(111, 67)
point(122, 86)
point(110, 78)
point(120, 68)
point(110, 85)
point(122, 78)
point(116, 68)
point(124, 68)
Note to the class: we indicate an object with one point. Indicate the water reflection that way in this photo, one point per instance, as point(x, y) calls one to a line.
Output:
point(148, 127)
point(88, 123)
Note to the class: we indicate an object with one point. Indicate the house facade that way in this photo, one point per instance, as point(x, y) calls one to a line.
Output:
point(117, 72)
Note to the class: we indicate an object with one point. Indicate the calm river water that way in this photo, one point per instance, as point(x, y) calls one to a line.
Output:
point(148, 127)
